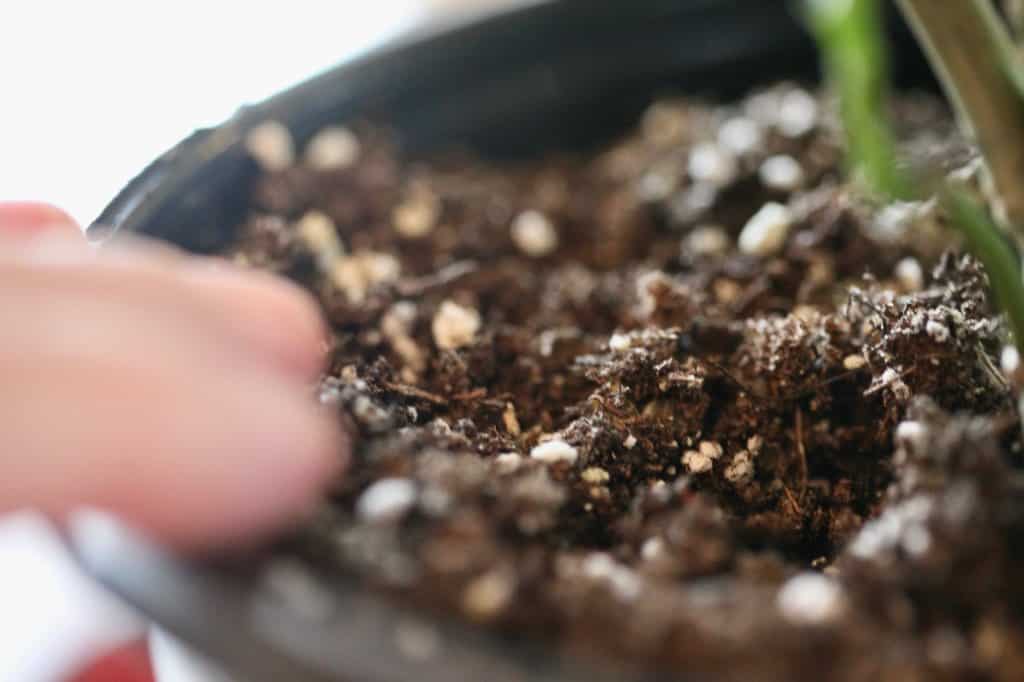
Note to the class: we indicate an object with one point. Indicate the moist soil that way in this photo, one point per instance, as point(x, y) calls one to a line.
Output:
point(689, 400)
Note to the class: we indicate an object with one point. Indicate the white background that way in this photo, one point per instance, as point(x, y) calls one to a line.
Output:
point(90, 91)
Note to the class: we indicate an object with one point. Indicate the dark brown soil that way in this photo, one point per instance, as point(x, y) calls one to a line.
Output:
point(587, 407)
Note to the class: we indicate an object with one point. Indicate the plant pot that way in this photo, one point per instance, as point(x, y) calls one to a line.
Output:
point(539, 76)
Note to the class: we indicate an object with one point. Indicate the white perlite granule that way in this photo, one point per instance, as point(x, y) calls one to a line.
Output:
point(271, 145)
point(623, 582)
point(937, 330)
point(811, 599)
point(355, 275)
point(652, 549)
point(317, 232)
point(508, 462)
point(711, 164)
point(511, 419)
point(904, 526)
point(696, 462)
point(534, 235)
point(798, 113)
point(706, 240)
point(595, 475)
point(765, 233)
point(333, 148)
point(1009, 359)
point(710, 448)
point(488, 595)
point(455, 326)
point(554, 451)
point(854, 362)
point(417, 215)
point(740, 135)
point(909, 274)
point(741, 470)
point(387, 499)
point(700, 461)
point(912, 435)
point(619, 342)
point(782, 173)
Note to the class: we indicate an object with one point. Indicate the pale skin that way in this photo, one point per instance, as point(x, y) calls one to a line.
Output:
point(173, 391)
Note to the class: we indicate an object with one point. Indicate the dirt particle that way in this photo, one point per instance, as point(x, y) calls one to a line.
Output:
point(664, 123)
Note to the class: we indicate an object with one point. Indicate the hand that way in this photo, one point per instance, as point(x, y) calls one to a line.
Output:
point(175, 392)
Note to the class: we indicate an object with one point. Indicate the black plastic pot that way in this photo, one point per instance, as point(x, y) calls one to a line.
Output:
point(540, 76)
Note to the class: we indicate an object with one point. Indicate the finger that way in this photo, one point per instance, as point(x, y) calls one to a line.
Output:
point(127, 396)
point(267, 316)
point(199, 464)
point(26, 218)
point(281, 315)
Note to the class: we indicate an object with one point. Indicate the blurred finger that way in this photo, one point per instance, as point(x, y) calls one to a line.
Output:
point(282, 316)
point(193, 453)
point(26, 218)
point(266, 316)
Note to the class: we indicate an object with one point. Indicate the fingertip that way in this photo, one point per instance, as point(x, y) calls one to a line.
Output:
point(279, 477)
point(279, 315)
point(28, 218)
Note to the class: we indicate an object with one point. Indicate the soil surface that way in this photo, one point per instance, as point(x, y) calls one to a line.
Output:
point(689, 400)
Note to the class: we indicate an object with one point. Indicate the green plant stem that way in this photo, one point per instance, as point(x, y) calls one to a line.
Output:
point(975, 59)
point(852, 39)
point(987, 242)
